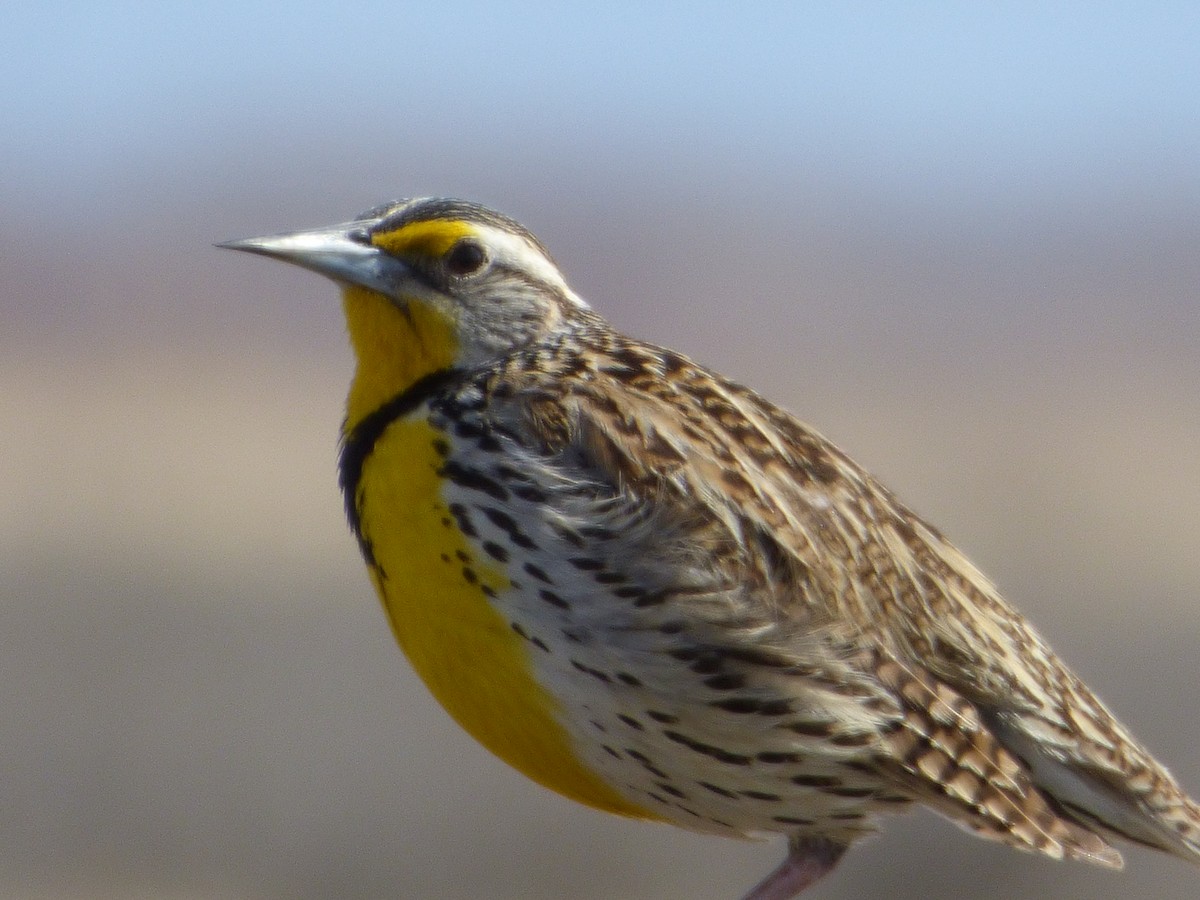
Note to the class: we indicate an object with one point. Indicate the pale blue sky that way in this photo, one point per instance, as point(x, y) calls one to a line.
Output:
point(920, 96)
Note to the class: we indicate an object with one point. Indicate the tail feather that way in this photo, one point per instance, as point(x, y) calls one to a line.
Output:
point(1146, 806)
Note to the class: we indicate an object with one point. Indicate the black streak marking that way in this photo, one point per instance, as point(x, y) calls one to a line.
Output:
point(708, 749)
point(507, 524)
point(362, 438)
point(495, 551)
point(717, 790)
point(463, 518)
point(588, 670)
point(473, 479)
point(538, 573)
point(553, 599)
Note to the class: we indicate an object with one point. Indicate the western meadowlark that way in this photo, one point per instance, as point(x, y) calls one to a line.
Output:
point(652, 591)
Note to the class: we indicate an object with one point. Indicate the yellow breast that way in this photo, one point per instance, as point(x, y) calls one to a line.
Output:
point(434, 588)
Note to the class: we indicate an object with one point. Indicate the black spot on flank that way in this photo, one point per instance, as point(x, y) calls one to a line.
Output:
point(720, 791)
point(647, 764)
point(500, 519)
point(516, 627)
point(522, 540)
point(631, 680)
point(673, 626)
point(474, 480)
point(507, 524)
point(553, 599)
point(573, 636)
point(441, 447)
point(586, 563)
point(445, 557)
point(540, 644)
point(756, 657)
point(469, 574)
point(810, 729)
point(631, 722)
point(852, 792)
point(670, 789)
point(611, 752)
point(609, 578)
point(776, 758)
point(664, 718)
point(740, 705)
point(653, 599)
point(463, 518)
point(792, 820)
point(846, 816)
point(658, 798)
point(463, 556)
point(599, 726)
point(629, 592)
point(816, 781)
point(495, 551)
point(726, 681)
point(762, 795)
point(488, 591)
point(447, 522)
point(775, 708)
point(716, 753)
point(749, 705)
point(588, 670)
point(538, 573)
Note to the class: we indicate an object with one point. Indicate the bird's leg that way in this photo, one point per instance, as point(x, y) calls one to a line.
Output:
point(808, 861)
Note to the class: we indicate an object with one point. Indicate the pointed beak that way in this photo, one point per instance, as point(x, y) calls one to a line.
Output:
point(341, 252)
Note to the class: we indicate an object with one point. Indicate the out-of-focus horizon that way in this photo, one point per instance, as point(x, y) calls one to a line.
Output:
point(961, 241)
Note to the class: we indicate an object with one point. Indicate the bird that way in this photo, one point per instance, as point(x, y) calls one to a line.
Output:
point(651, 590)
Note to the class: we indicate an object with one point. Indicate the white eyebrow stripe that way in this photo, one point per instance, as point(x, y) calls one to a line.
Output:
point(515, 251)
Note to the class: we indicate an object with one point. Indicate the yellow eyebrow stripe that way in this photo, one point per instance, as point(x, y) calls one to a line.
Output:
point(430, 238)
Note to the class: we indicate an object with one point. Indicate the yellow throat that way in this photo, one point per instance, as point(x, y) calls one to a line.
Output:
point(433, 585)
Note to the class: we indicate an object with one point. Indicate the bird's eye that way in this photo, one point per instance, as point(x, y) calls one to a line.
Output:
point(465, 258)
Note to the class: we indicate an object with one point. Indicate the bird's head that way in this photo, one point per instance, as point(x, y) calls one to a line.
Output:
point(430, 284)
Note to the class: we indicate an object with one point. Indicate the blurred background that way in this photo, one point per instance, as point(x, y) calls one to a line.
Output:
point(962, 241)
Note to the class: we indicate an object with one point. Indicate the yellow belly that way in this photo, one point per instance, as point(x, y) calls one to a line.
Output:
point(432, 584)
